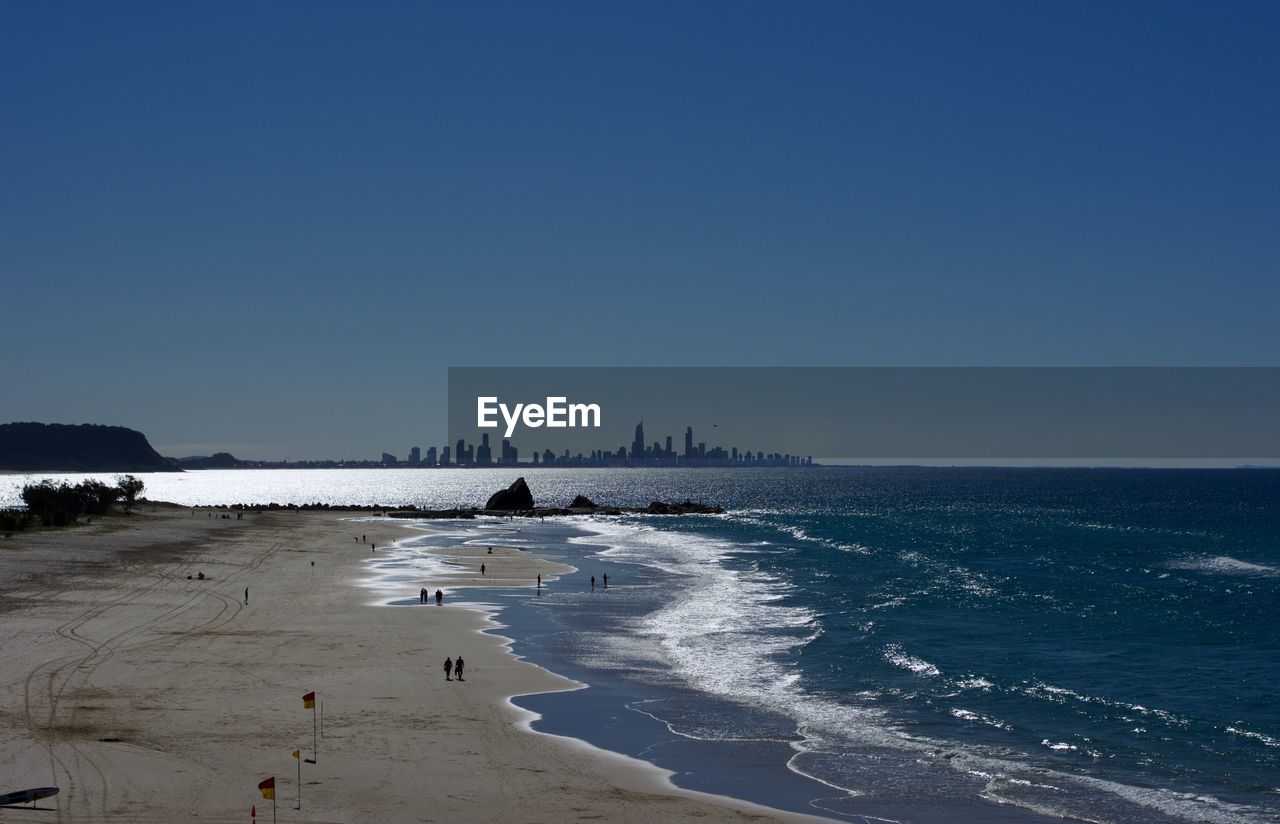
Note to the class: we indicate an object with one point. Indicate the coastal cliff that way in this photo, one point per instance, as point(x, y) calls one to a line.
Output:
point(56, 447)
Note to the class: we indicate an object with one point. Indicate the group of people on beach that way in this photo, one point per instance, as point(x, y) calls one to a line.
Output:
point(226, 516)
point(454, 667)
point(424, 595)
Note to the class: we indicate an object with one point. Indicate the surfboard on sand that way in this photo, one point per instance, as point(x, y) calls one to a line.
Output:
point(27, 796)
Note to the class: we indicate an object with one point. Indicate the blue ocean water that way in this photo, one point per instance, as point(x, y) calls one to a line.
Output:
point(1099, 644)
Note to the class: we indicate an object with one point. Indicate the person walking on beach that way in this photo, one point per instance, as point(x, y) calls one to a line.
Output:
point(364, 539)
point(246, 596)
point(606, 580)
point(490, 550)
point(539, 580)
point(448, 668)
point(439, 597)
point(482, 569)
point(593, 582)
point(457, 667)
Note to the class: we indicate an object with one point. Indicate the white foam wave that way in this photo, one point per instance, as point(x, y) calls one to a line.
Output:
point(1062, 695)
point(979, 718)
point(894, 655)
point(1256, 736)
point(797, 533)
point(1061, 745)
point(1225, 565)
point(977, 682)
point(727, 631)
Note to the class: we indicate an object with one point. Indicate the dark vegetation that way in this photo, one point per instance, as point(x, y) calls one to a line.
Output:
point(59, 504)
point(56, 447)
point(12, 520)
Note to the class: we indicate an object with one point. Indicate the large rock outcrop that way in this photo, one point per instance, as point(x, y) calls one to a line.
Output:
point(516, 496)
point(686, 508)
point(583, 502)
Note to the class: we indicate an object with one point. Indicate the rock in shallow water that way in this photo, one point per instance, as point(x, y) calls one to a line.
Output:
point(516, 496)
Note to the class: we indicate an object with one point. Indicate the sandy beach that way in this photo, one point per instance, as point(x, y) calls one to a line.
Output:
point(147, 695)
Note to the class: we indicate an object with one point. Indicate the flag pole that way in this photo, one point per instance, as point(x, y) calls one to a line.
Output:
point(322, 719)
point(309, 702)
point(299, 759)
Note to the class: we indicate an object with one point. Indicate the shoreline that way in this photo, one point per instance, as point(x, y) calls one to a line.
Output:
point(638, 774)
point(757, 768)
point(148, 695)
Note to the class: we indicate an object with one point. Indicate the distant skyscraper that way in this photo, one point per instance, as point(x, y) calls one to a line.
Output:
point(431, 456)
point(637, 445)
point(484, 455)
point(460, 452)
point(388, 459)
point(669, 452)
point(688, 442)
point(444, 456)
point(415, 456)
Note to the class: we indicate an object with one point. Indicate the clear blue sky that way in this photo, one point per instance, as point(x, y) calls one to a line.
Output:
point(269, 227)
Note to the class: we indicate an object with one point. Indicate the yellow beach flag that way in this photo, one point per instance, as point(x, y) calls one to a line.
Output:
point(268, 788)
point(309, 700)
point(297, 753)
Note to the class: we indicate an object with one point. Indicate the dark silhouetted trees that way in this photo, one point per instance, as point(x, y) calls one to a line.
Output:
point(130, 487)
point(58, 504)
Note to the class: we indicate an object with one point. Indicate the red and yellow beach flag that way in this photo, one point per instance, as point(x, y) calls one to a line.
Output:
point(268, 788)
point(309, 700)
